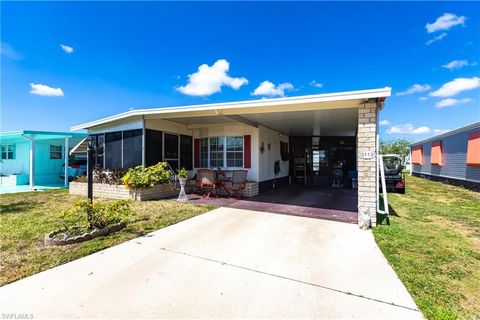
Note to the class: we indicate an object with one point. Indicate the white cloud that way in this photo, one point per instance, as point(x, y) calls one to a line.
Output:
point(438, 131)
point(66, 48)
point(266, 88)
point(315, 84)
point(407, 128)
point(415, 89)
point(455, 64)
point(210, 79)
point(437, 38)
point(449, 102)
point(445, 22)
point(43, 90)
point(423, 98)
point(7, 51)
point(384, 123)
point(456, 86)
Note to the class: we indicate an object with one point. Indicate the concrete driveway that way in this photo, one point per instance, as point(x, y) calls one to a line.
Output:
point(228, 263)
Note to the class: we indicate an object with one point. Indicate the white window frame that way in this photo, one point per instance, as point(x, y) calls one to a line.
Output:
point(14, 153)
point(61, 151)
point(224, 152)
point(243, 152)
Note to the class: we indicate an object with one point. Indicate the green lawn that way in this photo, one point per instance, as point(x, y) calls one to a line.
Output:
point(433, 243)
point(25, 218)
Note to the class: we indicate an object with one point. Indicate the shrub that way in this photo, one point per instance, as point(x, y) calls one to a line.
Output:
point(97, 215)
point(100, 175)
point(139, 177)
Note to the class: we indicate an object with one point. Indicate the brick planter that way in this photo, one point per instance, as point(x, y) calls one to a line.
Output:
point(121, 192)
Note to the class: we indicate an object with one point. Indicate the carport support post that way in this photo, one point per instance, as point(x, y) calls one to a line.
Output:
point(32, 164)
point(367, 166)
point(66, 162)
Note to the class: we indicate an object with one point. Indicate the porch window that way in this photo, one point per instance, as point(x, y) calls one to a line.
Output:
point(235, 152)
point(55, 152)
point(217, 148)
point(8, 151)
point(221, 152)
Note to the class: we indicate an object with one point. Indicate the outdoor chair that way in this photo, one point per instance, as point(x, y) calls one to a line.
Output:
point(236, 184)
point(208, 182)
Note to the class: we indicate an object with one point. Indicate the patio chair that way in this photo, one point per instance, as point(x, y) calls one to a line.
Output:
point(237, 183)
point(208, 182)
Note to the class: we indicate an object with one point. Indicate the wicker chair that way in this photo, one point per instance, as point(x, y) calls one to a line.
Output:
point(207, 182)
point(237, 183)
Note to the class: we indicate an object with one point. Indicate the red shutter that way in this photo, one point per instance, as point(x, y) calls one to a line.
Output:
point(247, 146)
point(196, 153)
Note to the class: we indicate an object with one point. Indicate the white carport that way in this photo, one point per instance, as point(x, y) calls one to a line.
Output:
point(349, 114)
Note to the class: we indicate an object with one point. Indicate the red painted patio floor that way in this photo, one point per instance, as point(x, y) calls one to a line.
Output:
point(313, 202)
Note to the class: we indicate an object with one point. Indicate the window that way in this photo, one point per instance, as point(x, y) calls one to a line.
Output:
point(217, 145)
point(170, 146)
point(153, 145)
point(417, 155)
point(132, 148)
point(220, 152)
point(55, 152)
point(186, 152)
point(113, 150)
point(473, 149)
point(98, 143)
point(8, 151)
point(436, 153)
point(235, 152)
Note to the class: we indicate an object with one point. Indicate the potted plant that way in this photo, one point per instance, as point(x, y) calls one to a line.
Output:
point(182, 178)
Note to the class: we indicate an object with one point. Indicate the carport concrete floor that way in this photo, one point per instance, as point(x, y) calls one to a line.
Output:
point(227, 263)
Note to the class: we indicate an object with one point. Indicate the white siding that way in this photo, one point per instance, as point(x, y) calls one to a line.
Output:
point(122, 125)
point(234, 130)
point(266, 160)
point(167, 126)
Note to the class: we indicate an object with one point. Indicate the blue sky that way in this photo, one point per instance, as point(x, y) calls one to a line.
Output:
point(117, 56)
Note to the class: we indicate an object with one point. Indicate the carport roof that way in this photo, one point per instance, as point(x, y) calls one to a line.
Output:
point(22, 135)
point(299, 103)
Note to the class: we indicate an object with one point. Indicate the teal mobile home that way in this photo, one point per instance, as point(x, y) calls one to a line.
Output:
point(35, 157)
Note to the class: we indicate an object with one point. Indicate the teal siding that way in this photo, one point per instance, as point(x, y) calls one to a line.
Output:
point(19, 165)
point(47, 170)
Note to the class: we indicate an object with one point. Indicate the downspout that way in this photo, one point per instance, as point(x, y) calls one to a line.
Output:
point(380, 168)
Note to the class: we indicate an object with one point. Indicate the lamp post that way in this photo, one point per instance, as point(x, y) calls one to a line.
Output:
point(90, 164)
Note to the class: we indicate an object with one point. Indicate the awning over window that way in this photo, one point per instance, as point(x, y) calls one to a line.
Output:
point(417, 155)
point(436, 154)
point(473, 151)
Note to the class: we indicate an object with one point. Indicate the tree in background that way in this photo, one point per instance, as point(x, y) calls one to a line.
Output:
point(400, 147)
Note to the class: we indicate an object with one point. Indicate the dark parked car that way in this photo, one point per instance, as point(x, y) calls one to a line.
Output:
point(394, 176)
